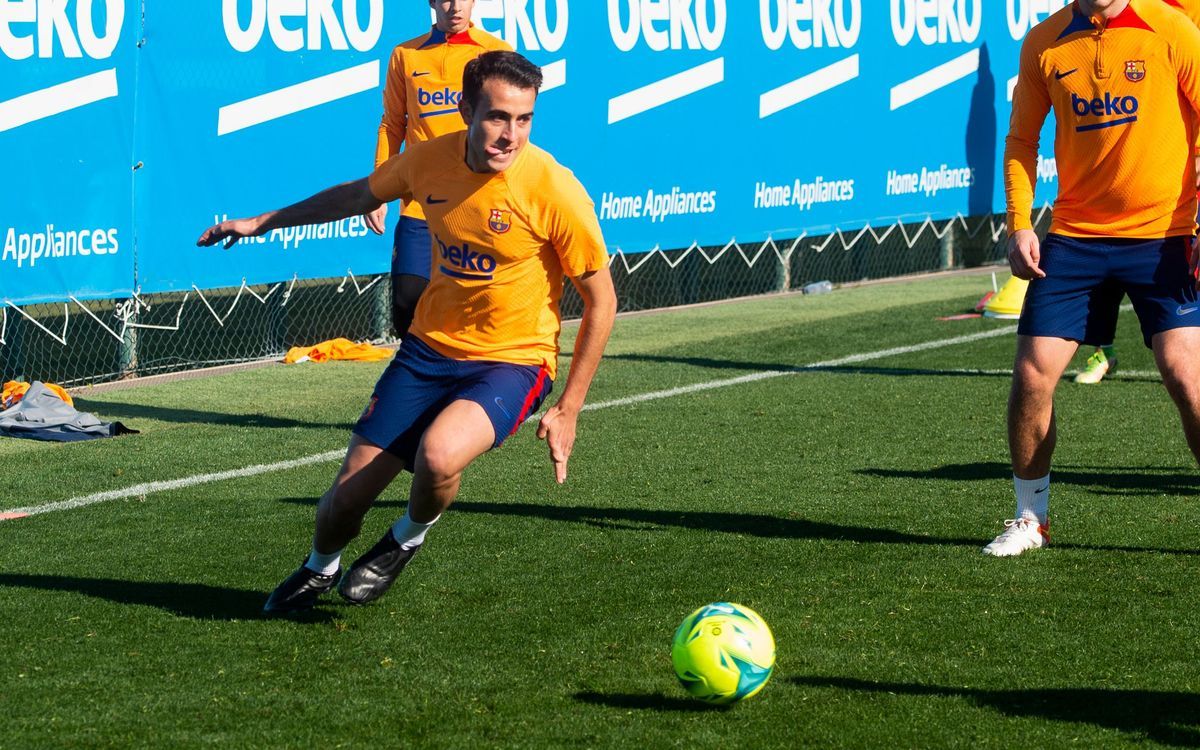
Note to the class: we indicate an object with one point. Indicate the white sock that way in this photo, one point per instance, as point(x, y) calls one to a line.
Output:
point(410, 533)
point(1033, 498)
point(326, 565)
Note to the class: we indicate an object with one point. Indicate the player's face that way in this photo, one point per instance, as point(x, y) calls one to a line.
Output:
point(453, 16)
point(1106, 8)
point(498, 127)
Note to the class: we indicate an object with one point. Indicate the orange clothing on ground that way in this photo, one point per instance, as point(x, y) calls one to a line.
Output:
point(339, 349)
point(424, 84)
point(1124, 96)
point(502, 243)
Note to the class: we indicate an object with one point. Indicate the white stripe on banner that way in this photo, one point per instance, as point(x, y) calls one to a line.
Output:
point(937, 78)
point(665, 91)
point(554, 75)
point(806, 87)
point(297, 98)
point(54, 100)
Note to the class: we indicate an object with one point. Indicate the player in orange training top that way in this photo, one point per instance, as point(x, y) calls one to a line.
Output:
point(1103, 361)
point(1123, 79)
point(509, 222)
point(420, 101)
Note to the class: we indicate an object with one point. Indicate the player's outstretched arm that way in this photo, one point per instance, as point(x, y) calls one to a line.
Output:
point(339, 202)
point(557, 427)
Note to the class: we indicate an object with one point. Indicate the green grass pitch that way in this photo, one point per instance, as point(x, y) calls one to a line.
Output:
point(846, 504)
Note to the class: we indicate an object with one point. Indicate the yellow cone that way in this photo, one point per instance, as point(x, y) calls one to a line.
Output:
point(1007, 302)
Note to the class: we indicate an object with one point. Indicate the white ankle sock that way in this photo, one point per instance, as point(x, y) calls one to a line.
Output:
point(326, 565)
point(410, 533)
point(1033, 498)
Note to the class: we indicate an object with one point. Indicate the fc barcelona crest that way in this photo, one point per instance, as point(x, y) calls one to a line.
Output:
point(1135, 70)
point(500, 220)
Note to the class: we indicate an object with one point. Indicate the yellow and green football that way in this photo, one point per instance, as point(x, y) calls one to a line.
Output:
point(723, 653)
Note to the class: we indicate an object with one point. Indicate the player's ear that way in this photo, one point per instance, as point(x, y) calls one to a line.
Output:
point(464, 109)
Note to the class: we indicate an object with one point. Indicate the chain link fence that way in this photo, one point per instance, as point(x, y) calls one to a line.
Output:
point(79, 343)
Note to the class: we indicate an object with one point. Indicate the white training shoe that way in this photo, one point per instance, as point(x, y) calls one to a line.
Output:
point(1020, 534)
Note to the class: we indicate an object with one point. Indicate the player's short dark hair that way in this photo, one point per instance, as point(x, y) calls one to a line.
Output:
point(509, 67)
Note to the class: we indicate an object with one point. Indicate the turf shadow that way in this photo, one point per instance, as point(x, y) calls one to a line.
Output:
point(645, 702)
point(641, 519)
point(1107, 481)
point(128, 412)
point(194, 600)
point(1172, 718)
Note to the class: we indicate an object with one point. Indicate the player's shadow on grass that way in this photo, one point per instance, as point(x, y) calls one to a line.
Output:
point(645, 702)
point(1101, 481)
point(131, 412)
point(644, 519)
point(1172, 718)
point(195, 600)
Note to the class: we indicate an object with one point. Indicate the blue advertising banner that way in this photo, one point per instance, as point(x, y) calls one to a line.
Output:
point(67, 75)
point(689, 121)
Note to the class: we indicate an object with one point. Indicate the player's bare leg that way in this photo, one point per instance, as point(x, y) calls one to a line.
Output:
point(1177, 354)
point(406, 291)
point(1032, 434)
point(459, 435)
point(365, 473)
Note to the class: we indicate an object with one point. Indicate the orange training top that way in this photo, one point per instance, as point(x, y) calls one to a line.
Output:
point(1125, 96)
point(502, 243)
point(424, 84)
point(1190, 8)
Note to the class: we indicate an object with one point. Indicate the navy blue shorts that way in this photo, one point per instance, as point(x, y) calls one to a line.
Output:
point(411, 248)
point(419, 383)
point(1085, 278)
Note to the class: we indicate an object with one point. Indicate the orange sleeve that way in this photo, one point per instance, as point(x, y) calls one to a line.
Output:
point(392, 180)
point(1031, 104)
point(394, 126)
point(572, 227)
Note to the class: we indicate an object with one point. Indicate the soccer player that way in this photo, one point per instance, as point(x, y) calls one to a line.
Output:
point(1103, 361)
point(509, 222)
point(1123, 79)
point(420, 101)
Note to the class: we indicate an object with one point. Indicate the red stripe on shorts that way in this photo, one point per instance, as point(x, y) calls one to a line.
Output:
point(530, 398)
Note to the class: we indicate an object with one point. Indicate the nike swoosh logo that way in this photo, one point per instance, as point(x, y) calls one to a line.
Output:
point(1044, 489)
point(419, 73)
point(1059, 76)
point(432, 201)
point(1181, 310)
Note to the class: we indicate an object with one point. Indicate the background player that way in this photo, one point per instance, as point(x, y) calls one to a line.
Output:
point(509, 222)
point(420, 101)
point(1123, 79)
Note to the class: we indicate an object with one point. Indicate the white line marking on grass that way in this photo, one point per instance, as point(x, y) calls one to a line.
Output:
point(139, 490)
point(768, 374)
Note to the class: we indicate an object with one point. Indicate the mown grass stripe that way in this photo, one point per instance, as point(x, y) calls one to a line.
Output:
point(140, 490)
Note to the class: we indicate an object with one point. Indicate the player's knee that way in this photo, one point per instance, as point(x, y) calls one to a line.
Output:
point(439, 460)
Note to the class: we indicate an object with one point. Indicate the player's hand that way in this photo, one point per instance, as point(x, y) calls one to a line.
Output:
point(1024, 255)
point(557, 428)
point(230, 231)
point(377, 219)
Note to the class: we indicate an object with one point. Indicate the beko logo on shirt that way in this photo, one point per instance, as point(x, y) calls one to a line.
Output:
point(1106, 106)
point(936, 21)
point(467, 263)
point(294, 25)
point(810, 23)
point(1023, 15)
point(521, 31)
point(445, 98)
point(667, 24)
point(33, 26)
